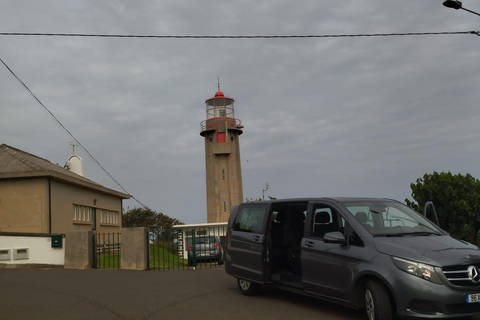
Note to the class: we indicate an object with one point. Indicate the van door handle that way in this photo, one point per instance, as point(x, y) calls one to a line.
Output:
point(309, 244)
point(256, 238)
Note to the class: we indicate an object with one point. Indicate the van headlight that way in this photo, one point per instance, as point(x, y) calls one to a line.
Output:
point(420, 270)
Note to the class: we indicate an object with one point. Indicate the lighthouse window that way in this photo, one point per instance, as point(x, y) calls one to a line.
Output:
point(232, 138)
point(220, 113)
point(223, 174)
point(224, 206)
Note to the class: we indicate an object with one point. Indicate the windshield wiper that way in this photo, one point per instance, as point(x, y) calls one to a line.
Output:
point(416, 233)
point(423, 233)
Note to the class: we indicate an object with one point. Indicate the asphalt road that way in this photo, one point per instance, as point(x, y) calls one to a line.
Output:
point(118, 294)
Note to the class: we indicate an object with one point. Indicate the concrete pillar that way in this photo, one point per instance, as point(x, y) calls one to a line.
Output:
point(78, 250)
point(134, 249)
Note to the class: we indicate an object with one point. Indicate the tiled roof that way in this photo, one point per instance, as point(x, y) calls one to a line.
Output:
point(15, 163)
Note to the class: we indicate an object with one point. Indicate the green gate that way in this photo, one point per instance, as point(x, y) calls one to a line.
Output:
point(107, 250)
point(187, 247)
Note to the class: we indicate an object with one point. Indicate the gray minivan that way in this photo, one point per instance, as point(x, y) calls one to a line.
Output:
point(372, 254)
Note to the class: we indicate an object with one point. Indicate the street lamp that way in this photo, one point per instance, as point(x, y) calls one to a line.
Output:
point(455, 4)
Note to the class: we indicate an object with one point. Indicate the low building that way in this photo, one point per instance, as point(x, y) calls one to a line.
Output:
point(188, 231)
point(37, 196)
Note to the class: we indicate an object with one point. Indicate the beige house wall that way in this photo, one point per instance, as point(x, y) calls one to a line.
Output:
point(24, 205)
point(65, 196)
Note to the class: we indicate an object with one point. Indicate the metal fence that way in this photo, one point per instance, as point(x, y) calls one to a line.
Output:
point(187, 247)
point(107, 250)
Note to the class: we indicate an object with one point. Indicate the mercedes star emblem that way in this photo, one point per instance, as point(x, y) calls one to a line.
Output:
point(474, 274)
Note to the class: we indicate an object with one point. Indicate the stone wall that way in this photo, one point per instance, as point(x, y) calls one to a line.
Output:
point(134, 249)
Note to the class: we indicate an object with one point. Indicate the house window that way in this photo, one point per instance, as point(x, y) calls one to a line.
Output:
point(109, 217)
point(82, 214)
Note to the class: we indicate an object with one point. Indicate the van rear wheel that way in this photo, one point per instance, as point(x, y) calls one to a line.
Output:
point(377, 302)
point(248, 288)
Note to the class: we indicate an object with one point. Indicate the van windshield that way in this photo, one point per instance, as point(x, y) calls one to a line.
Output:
point(390, 218)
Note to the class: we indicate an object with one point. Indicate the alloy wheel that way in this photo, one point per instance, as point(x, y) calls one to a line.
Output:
point(369, 305)
point(244, 284)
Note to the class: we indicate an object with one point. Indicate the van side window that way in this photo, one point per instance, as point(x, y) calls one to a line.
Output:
point(250, 219)
point(326, 220)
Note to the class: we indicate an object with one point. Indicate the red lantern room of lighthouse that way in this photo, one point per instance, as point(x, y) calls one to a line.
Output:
point(222, 157)
point(221, 117)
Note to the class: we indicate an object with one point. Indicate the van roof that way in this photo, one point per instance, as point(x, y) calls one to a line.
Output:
point(336, 199)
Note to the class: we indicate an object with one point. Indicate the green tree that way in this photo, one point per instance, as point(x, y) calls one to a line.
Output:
point(456, 199)
point(144, 217)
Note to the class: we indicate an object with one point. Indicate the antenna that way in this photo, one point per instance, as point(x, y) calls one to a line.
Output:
point(218, 83)
point(73, 147)
point(263, 191)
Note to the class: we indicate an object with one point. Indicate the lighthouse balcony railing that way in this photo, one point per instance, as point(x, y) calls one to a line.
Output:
point(238, 123)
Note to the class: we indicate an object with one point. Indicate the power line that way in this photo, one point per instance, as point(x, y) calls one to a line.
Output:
point(238, 36)
point(195, 37)
point(69, 133)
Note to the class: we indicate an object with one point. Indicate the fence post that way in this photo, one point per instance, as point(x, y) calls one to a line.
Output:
point(147, 240)
point(194, 253)
point(134, 249)
point(94, 250)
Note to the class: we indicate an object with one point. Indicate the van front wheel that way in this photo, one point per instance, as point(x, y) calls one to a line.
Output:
point(377, 302)
point(248, 288)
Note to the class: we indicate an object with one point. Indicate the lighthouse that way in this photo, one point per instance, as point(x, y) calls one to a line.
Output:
point(222, 157)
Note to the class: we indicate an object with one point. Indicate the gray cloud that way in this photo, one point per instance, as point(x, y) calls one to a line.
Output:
point(343, 116)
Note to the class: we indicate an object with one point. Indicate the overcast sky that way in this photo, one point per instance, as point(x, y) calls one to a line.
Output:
point(322, 117)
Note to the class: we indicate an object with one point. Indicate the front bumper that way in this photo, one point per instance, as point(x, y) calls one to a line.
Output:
point(419, 298)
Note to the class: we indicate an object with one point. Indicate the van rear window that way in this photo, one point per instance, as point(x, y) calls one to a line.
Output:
point(250, 219)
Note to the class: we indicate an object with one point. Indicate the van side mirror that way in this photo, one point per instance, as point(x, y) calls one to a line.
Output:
point(334, 237)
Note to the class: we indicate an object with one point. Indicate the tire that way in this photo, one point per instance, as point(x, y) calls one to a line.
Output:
point(248, 288)
point(377, 302)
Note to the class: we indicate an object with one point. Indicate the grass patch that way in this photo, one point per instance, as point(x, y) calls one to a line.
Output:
point(162, 258)
point(108, 261)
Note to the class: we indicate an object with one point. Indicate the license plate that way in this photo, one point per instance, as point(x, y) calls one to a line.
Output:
point(473, 298)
